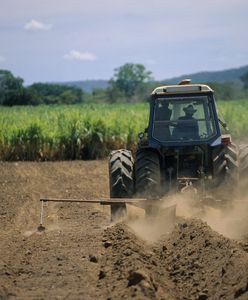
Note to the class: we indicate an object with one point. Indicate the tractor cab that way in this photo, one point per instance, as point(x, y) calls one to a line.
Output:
point(184, 134)
point(182, 115)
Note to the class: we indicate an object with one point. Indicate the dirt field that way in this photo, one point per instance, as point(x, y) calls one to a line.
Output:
point(82, 256)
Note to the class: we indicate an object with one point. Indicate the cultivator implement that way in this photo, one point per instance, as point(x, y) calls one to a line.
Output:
point(152, 207)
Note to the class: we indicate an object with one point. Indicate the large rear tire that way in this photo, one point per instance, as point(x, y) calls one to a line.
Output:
point(226, 172)
point(243, 168)
point(147, 176)
point(147, 173)
point(232, 171)
point(120, 180)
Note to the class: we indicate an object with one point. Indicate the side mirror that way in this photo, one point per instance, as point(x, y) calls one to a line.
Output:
point(146, 130)
point(223, 124)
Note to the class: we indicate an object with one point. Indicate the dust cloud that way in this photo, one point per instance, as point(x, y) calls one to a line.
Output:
point(152, 227)
point(230, 221)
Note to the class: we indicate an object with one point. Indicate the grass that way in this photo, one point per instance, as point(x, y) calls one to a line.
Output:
point(86, 131)
point(235, 114)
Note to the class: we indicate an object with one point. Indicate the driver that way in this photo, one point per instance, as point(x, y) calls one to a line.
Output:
point(187, 126)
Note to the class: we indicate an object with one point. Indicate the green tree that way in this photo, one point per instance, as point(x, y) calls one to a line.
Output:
point(114, 94)
point(11, 89)
point(12, 92)
point(128, 79)
point(56, 93)
point(244, 78)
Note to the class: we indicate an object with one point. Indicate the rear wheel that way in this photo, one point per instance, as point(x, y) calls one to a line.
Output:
point(226, 172)
point(147, 174)
point(243, 168)
point(120, 180)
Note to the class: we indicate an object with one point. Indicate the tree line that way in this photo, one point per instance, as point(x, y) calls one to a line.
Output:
point(130, 83)
point(13, 92)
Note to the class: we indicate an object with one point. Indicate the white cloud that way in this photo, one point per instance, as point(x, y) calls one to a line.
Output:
point(2, 59)
point(35, 25)
point(77, 55)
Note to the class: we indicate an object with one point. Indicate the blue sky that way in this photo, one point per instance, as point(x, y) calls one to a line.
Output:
point(59, 40)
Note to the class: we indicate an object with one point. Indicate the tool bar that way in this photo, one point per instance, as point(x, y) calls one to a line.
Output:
point(104, 201)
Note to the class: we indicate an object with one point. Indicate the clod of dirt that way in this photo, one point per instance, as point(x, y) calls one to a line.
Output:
point(102, 274)
point(202, 296)
point(107, 244)
point(60, 258)
point(136, 277)
point(93, 258)
point(28, 252)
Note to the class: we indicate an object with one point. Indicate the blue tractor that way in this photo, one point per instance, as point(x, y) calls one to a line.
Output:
point(182, 148)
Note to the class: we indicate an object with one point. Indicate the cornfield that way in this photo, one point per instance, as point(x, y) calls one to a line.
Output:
point(86, 131)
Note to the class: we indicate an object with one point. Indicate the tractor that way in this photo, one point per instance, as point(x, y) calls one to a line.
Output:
point(185, 146)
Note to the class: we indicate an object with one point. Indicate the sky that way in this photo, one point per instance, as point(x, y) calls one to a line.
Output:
point(61, 40)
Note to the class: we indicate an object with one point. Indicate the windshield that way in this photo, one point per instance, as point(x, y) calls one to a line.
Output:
point(183, 118)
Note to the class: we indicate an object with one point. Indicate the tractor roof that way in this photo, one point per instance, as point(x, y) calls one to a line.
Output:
point(182, 88)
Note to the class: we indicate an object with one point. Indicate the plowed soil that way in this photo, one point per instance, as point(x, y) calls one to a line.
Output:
point(81, 255)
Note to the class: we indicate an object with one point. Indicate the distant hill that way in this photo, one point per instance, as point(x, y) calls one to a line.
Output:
point(202, 77)
point(210, 76)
